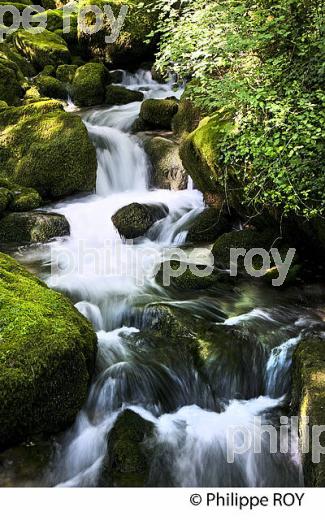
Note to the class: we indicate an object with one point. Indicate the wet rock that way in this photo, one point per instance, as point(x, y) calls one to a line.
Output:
point(308, 398)
point(66, 73)
point(189, 277)
point(246, 239)
point(128, 458)
point(158, 113)
point(24, 199)
point(41, 49)
point(26, 465)
point(47, 356)
point(134, 220)
point(51, 87)
point(131, 47)
point(88, 86)
point(10, 83)
point(187, 118)
point(208, 226)
point(116, 76)
point(168, 172)
point(116, 95)
point(201, 153)
point(47, 149)
point(29, 227)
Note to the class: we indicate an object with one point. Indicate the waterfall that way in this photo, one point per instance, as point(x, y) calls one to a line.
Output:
point(103, 276)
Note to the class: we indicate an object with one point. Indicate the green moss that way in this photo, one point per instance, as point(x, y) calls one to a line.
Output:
point(5, 198)
point(127, 461)
point(167, 168)
point(189, 280)
point(47, 149)
point(208, 226)
point(135, 219)
point(10, 87)
point(66, 73)
point(25, 199)
point(32, 95)
point(51, 87)
point(88, 87)
point(8, 52)
point(49, 70)
point(246, 239)
point(158, 113)
point(187, 118)
point(116, 95)
point(47, 356)
point(41, 49)
point(308, 398)
point(29, 227)
point(3, 105)
point(8, 16)
point(202, 149)
point(53, 17)
point(131, 47)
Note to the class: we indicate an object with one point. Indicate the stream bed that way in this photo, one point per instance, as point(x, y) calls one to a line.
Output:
point(112, 283)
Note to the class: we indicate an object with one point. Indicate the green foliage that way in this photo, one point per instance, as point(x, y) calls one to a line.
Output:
point(263, 62)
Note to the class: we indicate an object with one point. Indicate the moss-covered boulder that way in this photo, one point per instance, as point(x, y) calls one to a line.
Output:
point(127, 462)
point(9, 53)
point(131, 47)
point(24, 199)
point(187, 118)
point(308, 401)
point(49, 70)
point(45, 148)
point(66, 73)
point(246, 239)
point(53, 17)
point(5, 199)
point(136, 219)
point(116, 95)
point(47, 356)
point(158, 113)
point(272, 272)
point(3, 105)
point(88, 86)
point(208, 226)
point(32, 227)
point(116, 76)
point(188, 277)
point(51, 87)
point(202, 149)
point(17, 198)
point(168, 172)
point(7, 15)
point(44, 48)
point(10, 83)
point(26, 465)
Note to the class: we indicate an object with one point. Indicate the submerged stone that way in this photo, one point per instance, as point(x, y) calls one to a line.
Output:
point(116, 95)
point(32, 227)
point(136, 219)
point(127, 460)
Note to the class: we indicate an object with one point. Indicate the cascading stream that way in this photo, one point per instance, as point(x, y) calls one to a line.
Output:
point(107, 282)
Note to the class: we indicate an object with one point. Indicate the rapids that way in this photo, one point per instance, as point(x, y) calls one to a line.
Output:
point(111, 282)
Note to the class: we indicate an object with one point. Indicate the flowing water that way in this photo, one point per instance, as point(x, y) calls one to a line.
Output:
point(112, 282)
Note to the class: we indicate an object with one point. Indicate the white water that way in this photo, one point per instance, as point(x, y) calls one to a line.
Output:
point(105, 278)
